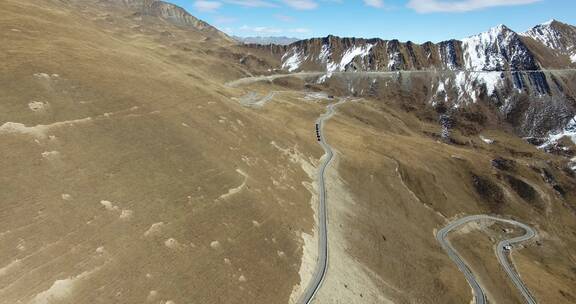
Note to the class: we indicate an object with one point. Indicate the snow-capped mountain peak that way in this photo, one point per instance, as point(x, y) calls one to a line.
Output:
point(556, 35)
point(499, 48)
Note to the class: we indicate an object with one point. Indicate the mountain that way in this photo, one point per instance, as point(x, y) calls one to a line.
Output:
point(166, 11)
point(147, 158)
point(498, 49)
point(557, 36)
point(499, 67)
point(279, 40)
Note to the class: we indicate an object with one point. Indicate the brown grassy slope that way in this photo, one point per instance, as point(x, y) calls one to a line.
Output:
point(160, 140)
point(407, 185)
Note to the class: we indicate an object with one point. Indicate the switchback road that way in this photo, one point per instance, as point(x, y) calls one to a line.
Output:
point(479, 295)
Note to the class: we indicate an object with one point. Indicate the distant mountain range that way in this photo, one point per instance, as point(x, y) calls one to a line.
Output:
point(499, 66)
point(548, 45)
point(513, 73)
point(279, 40)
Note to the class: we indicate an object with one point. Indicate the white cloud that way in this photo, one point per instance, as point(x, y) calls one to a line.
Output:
point(295, 4)
point(260, 29)
point(284, 18)
point(252, 3)
point(207, 6)
point(431, 6)
point(301, 4)
point(374, 3)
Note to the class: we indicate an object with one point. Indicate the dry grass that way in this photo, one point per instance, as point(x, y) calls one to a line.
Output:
point(163, 144)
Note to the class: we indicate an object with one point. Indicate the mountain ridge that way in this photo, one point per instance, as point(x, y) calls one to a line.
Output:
point(506, 70)
point(133, 173)
point(264, 40)
point(499, 48)
point(171, 13)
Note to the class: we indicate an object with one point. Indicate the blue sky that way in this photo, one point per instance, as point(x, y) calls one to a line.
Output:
point(415, 20)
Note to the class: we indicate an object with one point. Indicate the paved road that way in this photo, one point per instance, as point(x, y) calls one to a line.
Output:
point(305, 75)
point(322, 265)
point(252, 99)
point(479, 294)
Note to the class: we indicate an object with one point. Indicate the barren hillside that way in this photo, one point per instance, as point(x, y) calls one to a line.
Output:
point(132, 172)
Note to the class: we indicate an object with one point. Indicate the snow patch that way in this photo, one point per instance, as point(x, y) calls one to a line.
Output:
point(568, 131)
point(292, 60)
point(572, 164)
point(394, 59)
point(464, 87)
point(467, 84)
point(325, 53)
point(490, 79)
point(352, 53)
point(486, 140)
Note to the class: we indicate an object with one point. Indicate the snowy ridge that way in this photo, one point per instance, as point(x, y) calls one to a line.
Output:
point(495, 50)
point(292, 60)
point(557, 36)
point(479, 54)
point(448, 55)
point(498, 49)
point(467, 86)
point(546, 34)
point(352, 53)
point(568, 131)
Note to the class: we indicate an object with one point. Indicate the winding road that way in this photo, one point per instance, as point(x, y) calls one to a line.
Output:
point(322, 264)
point(305, 75)
point(479, 295)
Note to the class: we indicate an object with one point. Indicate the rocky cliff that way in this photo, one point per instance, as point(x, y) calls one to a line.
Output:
point(526, 77)
point(171, 13)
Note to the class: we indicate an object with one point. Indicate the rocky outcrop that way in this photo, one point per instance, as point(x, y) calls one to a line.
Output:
point(504, 69)
point(173, 14)
point(499, 49)
point(557, 36)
